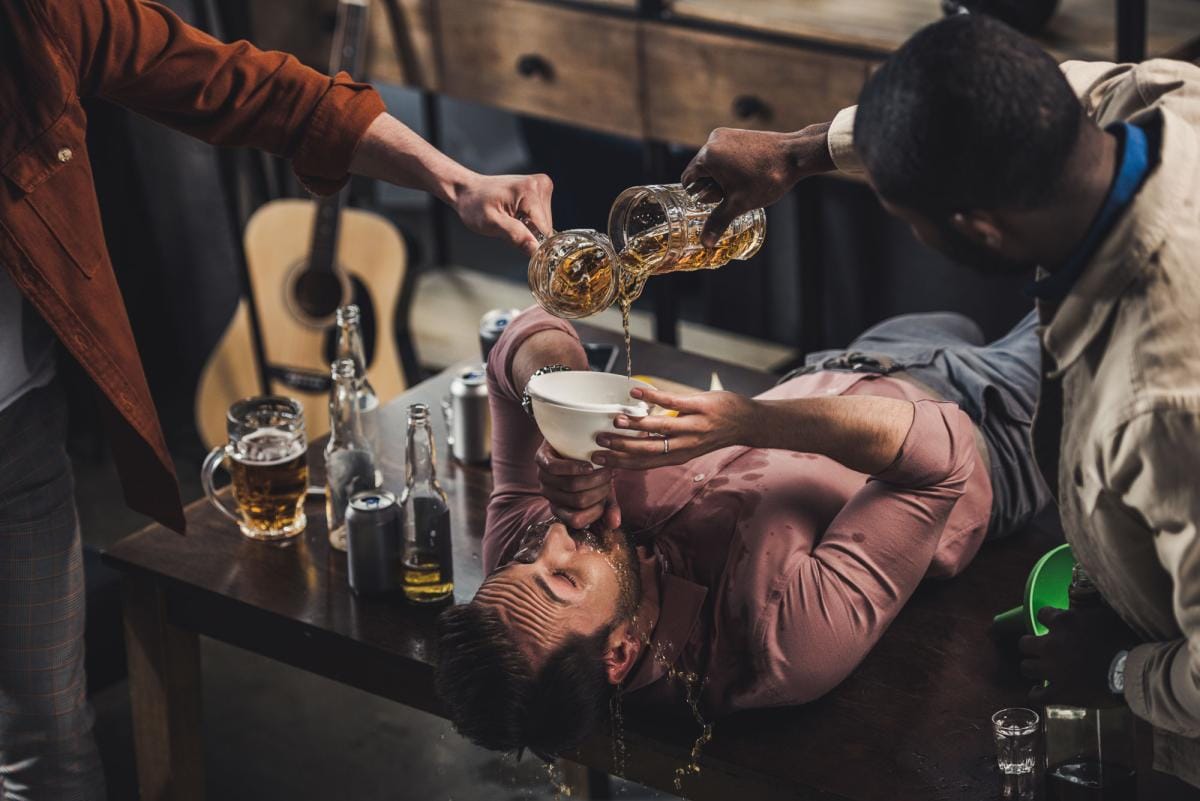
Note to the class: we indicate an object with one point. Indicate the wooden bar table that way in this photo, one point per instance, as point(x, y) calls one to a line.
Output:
point(910, 723)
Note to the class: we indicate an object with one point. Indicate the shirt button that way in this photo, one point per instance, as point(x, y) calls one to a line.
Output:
point(65, 155)
point(698, 478)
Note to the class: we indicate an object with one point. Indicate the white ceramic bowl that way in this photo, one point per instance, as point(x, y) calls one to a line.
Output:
point(571, 408)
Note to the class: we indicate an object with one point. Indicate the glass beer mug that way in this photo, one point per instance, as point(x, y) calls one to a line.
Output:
point(656, 229)
point(573, 273)
point(266, 457)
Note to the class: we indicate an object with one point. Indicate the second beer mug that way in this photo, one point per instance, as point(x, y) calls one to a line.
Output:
point(656, 229)
point(267, 460)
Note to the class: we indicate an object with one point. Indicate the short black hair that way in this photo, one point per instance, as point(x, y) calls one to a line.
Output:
point(967, 114)
point(495, 699)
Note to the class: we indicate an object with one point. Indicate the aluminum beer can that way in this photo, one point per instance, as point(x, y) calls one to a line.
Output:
point(374, 543)
point(491, 326)
point(470, 420)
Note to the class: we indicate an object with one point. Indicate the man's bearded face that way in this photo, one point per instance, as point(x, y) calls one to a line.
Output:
point(564, 582)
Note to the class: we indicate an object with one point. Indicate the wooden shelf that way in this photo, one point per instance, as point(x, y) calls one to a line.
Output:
point(1080, 28)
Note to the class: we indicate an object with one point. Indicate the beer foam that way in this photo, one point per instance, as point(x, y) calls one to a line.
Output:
point(267, 447)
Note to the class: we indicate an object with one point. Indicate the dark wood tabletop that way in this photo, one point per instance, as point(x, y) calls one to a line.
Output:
point(911, 723)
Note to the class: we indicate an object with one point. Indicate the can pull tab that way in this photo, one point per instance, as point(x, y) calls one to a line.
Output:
point(533, 229)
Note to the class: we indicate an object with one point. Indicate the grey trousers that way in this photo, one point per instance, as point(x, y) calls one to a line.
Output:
point(47, 752)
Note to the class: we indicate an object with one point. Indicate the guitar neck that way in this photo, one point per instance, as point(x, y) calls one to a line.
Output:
point(349, 37)
point(347, 56)
point(322, 253)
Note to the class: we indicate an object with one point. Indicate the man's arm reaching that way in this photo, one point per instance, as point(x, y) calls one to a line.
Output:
point(144, 57)
point(756, 168)
point(1151, 467)
point(488, 204)
point(837, 600)
point(864, 433)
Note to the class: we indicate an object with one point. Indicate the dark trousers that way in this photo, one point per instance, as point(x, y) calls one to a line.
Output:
point(47, 752)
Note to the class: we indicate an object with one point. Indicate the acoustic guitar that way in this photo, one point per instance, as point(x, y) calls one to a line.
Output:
point(304, 259)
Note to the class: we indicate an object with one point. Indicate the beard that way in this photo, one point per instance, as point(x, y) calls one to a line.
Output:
point(628, 568)
point(961, 250)
point(621, 554)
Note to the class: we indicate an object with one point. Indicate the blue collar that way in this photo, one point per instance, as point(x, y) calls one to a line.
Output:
point(1134, 166)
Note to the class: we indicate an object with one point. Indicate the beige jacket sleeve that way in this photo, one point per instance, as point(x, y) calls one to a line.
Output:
point(1152, 465)
point(1109, 93)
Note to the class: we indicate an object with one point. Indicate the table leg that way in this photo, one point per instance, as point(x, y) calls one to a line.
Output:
point(164, 689)
point(1131, 30)
point(586, 784)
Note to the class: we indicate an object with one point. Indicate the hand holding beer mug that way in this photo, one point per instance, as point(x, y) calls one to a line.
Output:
point(266, 457)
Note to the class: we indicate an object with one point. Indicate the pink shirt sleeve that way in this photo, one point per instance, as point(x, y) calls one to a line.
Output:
point(832, 609)
point(516, 495)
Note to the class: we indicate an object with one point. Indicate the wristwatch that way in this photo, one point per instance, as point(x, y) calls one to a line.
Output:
point(1116, 673)
point(526, 402)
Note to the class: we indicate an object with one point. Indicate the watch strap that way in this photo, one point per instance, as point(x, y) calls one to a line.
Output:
point(526, 401)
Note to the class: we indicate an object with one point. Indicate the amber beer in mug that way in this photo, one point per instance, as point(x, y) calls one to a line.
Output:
point(266, 458)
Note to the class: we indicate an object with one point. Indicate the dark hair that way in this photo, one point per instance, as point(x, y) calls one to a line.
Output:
point(493, 696)
point(967, 114)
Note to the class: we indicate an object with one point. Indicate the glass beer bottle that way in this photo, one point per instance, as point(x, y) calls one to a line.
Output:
point(428, 552)
point(350, 346)
point(349, 460)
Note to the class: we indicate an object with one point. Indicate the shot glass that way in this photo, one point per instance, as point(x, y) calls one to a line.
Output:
point(1018, 738)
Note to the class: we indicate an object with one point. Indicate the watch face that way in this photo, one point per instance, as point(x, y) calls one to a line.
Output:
point(1116, 673)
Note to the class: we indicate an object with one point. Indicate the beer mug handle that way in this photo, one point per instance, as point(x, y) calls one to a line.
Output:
point(525, 219)
point(215, 459)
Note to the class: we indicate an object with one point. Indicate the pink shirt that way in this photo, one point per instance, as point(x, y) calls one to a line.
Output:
point(780, 569)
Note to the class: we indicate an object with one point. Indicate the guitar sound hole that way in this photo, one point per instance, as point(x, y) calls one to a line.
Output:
point(318, 294)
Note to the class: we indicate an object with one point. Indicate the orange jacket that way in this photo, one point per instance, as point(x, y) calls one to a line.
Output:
point(141, 56)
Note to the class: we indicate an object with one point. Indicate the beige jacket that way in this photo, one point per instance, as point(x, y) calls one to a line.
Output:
point(1124, 349)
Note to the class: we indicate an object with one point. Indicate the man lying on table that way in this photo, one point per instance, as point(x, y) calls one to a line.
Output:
point(765, 544)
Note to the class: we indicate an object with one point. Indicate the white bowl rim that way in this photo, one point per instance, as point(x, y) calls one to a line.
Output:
point(636, 409)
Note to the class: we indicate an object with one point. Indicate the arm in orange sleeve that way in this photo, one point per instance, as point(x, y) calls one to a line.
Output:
point(142, 56)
